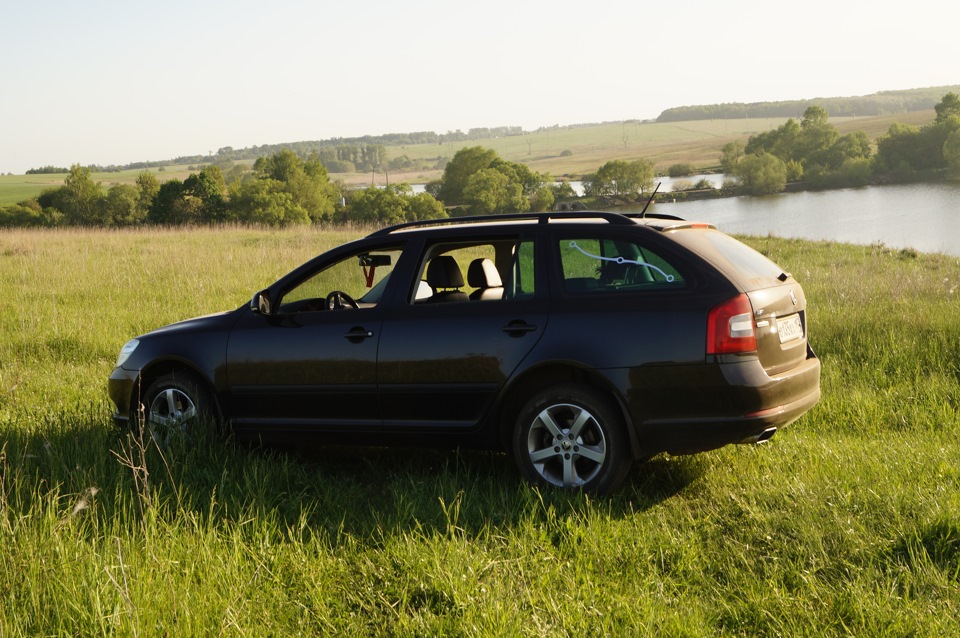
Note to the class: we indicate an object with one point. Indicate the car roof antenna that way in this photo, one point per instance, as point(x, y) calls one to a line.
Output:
point(649, 201)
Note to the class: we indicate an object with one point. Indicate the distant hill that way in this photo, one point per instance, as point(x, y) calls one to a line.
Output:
point(882, 103)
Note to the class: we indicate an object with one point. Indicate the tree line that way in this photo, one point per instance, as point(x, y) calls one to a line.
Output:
point(882, 103)
point(813, 152)
point(320, 147)
point(285, 189)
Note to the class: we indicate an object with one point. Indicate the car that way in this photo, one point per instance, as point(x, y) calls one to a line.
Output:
point(579, 342)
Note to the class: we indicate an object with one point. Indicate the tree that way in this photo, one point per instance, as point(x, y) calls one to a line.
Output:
point(854, 145)
point(467, 180)
point(460, 169)
point(543, 199)
point(907, 149)
point(80, 204)
point(374, 205)
point(762, 174)
point(816, 138)
point(168, 206)
point(622, 179)
point(425, 206)
point(305, 181)
point(781, 142)
point(209, 189)
point(391, 205)
point(899, 149)
point(732, 152)
point(199, 199)
point(951, 153)
point(147, 187)
point(265, 201)
point(490, 192)
point(948, 106)
point(120, 205)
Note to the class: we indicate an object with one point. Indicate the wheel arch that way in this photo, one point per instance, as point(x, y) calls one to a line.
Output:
point(556, 373)
point(162, 367)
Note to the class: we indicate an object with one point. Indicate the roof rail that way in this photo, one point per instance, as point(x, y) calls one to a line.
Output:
point(653, 216)
point(542, 218)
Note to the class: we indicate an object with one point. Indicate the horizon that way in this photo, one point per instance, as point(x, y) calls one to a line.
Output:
point(141, 85)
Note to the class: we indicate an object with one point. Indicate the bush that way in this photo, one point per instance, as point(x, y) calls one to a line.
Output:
point(681, 170)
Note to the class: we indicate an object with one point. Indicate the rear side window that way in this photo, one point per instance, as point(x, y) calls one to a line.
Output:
point(493, 270)
point(592, 265)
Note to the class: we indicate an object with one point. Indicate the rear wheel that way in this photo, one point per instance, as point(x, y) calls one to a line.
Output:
point(175, 408)
point(572, 437)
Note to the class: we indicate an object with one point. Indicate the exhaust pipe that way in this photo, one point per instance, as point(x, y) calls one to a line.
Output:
point(763, 437)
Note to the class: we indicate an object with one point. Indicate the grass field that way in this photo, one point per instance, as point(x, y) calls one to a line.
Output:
point(696, 143)
point(847, 523)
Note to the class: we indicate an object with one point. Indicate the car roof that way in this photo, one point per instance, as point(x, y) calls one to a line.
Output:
point(655, 221)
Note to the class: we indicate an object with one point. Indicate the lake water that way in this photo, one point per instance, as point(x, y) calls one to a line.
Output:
point(667, 183)
point(925, 217)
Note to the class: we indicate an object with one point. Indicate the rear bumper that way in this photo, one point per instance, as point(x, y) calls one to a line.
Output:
point(751, 403)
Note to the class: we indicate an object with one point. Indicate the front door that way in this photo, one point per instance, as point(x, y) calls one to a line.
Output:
point(305, 370)
point(311, 361)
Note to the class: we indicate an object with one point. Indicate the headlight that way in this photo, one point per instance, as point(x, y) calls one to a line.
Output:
point(126, 351)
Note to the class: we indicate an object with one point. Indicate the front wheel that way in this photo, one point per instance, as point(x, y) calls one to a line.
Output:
point(572, 437)
point(175, 407)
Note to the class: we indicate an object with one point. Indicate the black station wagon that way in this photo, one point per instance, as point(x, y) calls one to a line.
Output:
point(578, 342)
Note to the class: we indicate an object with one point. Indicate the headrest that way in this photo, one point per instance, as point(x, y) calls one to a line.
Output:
point(483, 274)
point(443, 272)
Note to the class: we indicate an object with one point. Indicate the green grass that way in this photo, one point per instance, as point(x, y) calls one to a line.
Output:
point(846, 523)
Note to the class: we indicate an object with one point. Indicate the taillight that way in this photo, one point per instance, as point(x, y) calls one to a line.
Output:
point(730, 327)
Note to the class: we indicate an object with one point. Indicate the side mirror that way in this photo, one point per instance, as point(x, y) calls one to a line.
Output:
point(260, 304)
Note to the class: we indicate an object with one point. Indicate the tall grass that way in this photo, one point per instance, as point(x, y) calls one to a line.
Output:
point(847, 523)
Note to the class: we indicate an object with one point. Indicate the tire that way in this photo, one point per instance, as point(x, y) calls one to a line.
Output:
point(572, 437)
point(176, 408)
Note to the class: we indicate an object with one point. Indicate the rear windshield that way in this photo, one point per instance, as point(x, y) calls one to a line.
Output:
point(741, 263)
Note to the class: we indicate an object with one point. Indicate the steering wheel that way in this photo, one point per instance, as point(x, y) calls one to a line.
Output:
point(338, 300)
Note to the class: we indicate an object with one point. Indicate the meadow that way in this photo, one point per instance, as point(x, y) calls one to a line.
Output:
point(846, 524)
point(697, 143)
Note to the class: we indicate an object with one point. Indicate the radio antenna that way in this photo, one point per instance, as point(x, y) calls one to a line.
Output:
point(652, 195)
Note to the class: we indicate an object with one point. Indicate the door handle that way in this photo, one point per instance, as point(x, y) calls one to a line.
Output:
point(518, 328)
point(358, 334)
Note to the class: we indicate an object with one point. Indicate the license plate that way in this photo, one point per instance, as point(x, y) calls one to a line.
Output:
point(790, 328)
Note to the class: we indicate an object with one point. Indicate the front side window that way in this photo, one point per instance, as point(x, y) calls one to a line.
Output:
point(601, 265)
point(357, 281)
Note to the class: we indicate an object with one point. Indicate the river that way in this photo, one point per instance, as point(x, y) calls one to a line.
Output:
point(925, 217)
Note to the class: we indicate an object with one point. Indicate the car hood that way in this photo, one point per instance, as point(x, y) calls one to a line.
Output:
point(217, 321)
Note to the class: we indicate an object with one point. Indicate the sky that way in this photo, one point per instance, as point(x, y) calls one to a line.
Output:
point(115, 82)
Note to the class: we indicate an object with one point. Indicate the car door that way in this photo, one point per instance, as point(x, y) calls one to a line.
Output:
point(311, 363)
point(444, 358)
